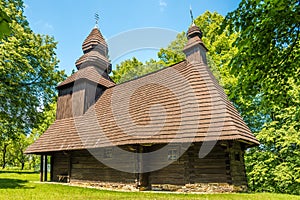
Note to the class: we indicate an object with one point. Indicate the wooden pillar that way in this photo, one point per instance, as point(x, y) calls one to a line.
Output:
point(51, 168)
point(41, 168)
point(45, 168)
point(69, 167)
point(143, 177)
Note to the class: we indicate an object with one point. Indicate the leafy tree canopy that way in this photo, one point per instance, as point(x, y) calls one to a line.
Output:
point(219, 55)
point(28, 77)
point(124, 68)
point(266, 66)
point(4, 23)
point(28, 70)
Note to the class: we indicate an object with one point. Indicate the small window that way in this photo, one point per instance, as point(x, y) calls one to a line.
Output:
point(237, 157)
point(107, 153)
point(172, 154)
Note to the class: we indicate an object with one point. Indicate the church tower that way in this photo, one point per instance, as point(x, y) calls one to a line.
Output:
point(195, 49)
point(82, 89)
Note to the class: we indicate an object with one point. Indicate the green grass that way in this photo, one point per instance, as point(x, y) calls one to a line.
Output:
point(24, 185)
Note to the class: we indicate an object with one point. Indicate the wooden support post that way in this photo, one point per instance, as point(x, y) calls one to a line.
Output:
point(45, 168)
point(51, 168)
point(143, 177)
point(69, 167)
point(41, 168)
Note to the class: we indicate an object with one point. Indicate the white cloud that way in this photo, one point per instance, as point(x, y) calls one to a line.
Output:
point(162, 5)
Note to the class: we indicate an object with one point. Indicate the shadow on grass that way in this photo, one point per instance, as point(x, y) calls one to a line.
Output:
point(7, 183)
point(17, 172)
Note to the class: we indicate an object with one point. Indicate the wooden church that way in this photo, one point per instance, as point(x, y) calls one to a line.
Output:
point(173, 129)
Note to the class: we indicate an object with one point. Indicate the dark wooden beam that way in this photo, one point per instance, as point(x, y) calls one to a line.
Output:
point(41, 168)
point(45, 168)
point(51, 167)
point(69, 167)
point(143, 177)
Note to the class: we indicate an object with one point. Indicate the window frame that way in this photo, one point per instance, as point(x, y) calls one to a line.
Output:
point(107, 155)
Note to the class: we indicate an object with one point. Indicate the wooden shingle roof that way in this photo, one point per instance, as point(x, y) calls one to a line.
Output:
point(92, 55)
point(181, 103)
point(94, 38)
point(90, 73)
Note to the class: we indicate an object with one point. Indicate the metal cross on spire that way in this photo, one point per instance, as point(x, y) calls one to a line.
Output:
point(97, 19)
point(191, 13)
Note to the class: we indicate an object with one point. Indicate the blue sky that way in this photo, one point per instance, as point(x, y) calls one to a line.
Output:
point(70, 21)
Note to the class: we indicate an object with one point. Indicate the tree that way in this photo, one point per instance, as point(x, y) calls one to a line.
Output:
point(132, 68)
point(219, 55)
point(121, 74)
point(173, 53)
point(46, 119)
point(4, 23)
point(218, 41)
point(267, 91)
point(28, 73)
point(17, 149)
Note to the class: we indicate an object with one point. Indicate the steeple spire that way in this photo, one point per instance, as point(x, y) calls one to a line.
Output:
point(97, 20)
point(195, 49)
point(191, 13)
point(95, 51)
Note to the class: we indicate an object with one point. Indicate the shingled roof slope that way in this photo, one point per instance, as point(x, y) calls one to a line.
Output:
point(94, 38)
point(90, 73)
point(89, 56)
point(181, 103)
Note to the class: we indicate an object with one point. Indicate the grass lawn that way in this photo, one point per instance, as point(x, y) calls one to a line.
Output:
point(24, 185)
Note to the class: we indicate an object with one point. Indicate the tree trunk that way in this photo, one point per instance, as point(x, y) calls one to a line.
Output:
point(4, 155)
point(22, 165)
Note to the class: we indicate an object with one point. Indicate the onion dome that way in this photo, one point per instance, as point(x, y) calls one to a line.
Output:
point(194, 31)
point(194, 35)
point(195, 50)
point(95, 52)
point(94, 39)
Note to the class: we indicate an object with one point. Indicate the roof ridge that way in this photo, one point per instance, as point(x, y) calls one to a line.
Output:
point(148, 74)
point(82, 74)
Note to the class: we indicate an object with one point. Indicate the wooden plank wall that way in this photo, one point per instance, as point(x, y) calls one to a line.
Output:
point(87, 167)
point(92, 93)
point(60, 162)
point(221, 165)
point(211, 168)
point(190, 169)
point(70, 101)
point(171, 174)
point(64, 103)
point(237, 165)
point(79, 98)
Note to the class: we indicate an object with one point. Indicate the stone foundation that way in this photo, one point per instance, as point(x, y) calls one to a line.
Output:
point(201, 188)
point(188, 188)
point(106, 185)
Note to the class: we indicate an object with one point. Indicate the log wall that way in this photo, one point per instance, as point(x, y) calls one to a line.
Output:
point(210, 169)
point(86, 167)
point(237, 164)
point(61, 163)
point(172, 173)
point(190, 169)
point(223, 165)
